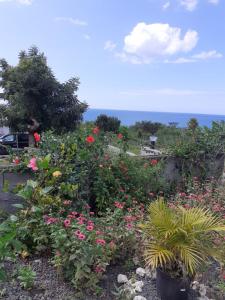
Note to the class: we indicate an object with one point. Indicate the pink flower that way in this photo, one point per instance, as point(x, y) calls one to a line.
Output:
point(91, 213)
point(98, 232)
point(120, 136)
point(67, 202)
point(33, 164)
point(101, 242)
point(153, 162)
point(77, 232)
point(129, 226)
point(118, 204)
point(182, 194)
point(90, 227)
point(50, 220)
point(74, 213)
point(81, 236)
point(67, 223)
point(87, 206)
point(99, 269)
point(96, 130)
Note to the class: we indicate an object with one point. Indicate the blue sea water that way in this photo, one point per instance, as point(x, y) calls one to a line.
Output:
point(131, 117)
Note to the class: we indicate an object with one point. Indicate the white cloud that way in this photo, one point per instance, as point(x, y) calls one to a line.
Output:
point(180, 60)
point(204, 55)
point(215, 2)
point(189, 5)
point(149, 42)
point(208, 55)
point(72, 21)
point(166, 5)
point(109, 45)
point(24, 2)
point(86, 36)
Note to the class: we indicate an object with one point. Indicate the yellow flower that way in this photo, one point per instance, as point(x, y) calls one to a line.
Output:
point(24, 254)
point(57, 174)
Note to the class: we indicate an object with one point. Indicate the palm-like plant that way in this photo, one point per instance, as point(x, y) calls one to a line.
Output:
point(180, 240)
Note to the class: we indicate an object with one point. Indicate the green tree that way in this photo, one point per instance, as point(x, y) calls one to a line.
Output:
point(108, 124)
point(193, 124)
point(148, 126)
point(33, 93)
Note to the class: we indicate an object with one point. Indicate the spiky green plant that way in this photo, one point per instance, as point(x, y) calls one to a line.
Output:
point(180, 240)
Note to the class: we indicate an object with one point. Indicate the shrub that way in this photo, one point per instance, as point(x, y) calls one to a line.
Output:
point(108, 124)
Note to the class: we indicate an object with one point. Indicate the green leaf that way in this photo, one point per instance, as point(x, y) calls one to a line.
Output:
point(46, 190)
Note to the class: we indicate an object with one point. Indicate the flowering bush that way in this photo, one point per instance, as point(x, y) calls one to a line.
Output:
point(82, 205)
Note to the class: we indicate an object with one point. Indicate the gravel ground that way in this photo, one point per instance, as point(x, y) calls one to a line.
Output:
point(49, 285)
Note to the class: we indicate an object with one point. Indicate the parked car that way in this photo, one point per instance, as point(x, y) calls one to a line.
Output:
point(14, 141)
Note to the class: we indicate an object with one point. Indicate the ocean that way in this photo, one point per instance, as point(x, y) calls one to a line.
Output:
point(131, 117)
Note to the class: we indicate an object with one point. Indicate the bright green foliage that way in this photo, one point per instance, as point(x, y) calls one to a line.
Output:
point(9, 244)
point(179, 240)
point(32, 91)
point(26, 277)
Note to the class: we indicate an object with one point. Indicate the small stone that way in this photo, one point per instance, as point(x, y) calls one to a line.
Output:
point(141, 272)
point(122, 278)
point(135, 261)
point(138, 285)
point(202, 290)
point(139, 298)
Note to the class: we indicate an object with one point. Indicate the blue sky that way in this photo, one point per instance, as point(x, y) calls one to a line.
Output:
point(129, 54)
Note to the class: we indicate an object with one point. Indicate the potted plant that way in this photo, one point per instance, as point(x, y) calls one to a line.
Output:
point(177, 242)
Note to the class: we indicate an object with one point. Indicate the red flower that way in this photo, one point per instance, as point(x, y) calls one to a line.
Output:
point(120, 136)
point(95, 130)
point(37, 137)
point(16, 161)
point(90, 139)
point(154, 162)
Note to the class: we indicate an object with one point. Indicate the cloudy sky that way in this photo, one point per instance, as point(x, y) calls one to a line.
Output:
point(154, 55)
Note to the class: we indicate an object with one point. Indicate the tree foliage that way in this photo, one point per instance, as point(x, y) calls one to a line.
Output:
point(108, 124)
point(148, 126)
point(33, 92)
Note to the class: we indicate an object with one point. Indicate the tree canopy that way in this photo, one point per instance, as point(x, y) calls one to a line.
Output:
point(106, 123)
point(33, 92)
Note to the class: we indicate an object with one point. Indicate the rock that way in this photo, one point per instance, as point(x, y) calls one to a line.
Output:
point(122, 278)
point(202, 290)
point(136, 260)
point(194, 285)
point(139, 298)
point(138, 285)
point(141, 272)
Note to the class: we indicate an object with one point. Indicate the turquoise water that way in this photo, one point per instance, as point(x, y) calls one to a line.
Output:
point(130, 117)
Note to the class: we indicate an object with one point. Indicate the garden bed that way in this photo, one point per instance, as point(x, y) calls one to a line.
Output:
point(50, 285)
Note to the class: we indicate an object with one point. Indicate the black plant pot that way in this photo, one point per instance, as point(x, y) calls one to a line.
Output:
point(169, 288)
